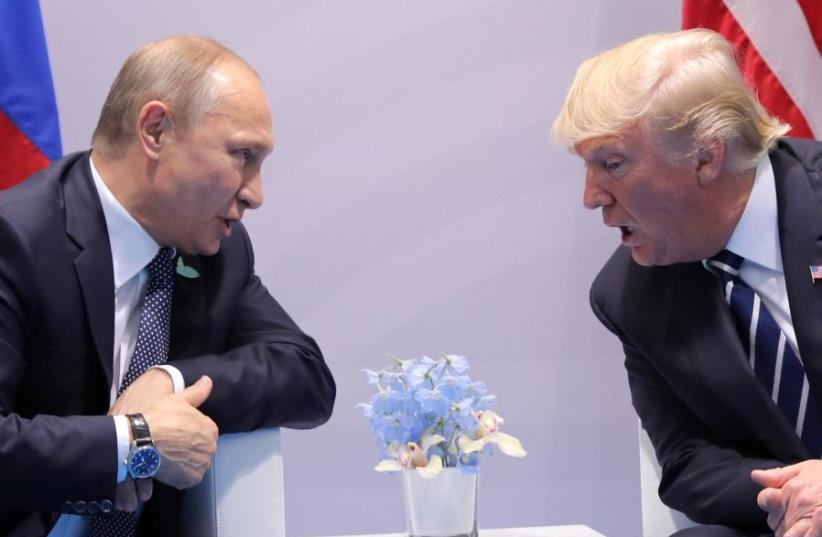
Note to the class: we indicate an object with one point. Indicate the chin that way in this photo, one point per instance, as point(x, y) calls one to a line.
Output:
point(206, 249)
point(647, 259)
point(209, 250)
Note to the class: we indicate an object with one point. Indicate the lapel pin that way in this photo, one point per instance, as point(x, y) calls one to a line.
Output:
point(191, 273)
point(816, 273)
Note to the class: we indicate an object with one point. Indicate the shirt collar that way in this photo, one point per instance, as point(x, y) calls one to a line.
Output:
point(756, 236)
point(132, 248)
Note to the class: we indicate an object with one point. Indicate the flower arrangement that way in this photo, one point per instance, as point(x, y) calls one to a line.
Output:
point(427, 414)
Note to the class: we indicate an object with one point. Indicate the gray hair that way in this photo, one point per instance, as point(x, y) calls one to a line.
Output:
point(175, 71)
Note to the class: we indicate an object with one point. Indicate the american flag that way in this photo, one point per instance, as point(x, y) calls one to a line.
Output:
point(779, 43)
point(816, 273)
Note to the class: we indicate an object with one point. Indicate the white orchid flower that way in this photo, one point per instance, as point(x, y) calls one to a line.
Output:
point(413, 456)
point(488, 433)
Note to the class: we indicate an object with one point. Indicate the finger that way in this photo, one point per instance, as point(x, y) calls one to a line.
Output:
point(816, 524)
point(776, 519)
point(197, 393)
point(126, 496)
point(775, 477)
point(800, 529)
point(145, 487)
point(769, 499)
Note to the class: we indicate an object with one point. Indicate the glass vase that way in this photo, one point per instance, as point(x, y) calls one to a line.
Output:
point(444, 506)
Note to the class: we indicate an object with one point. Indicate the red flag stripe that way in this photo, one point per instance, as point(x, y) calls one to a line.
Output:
point(714, 14)
point(19, 156)
point(813, 14)
point(781, 34)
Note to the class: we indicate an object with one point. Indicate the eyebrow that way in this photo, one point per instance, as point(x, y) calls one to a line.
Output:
point(606, 147)
point(255, 145)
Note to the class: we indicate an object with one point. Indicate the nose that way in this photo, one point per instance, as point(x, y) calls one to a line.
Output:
point(595, 196)
point(251, 191)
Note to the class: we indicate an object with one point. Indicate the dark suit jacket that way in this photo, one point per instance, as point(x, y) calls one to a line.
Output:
point(709, 418)
point(56, 341)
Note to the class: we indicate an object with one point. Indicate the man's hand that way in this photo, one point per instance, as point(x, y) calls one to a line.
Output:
point(792, 498)
point(131, 492)
point(185, 437)
point(143, 393)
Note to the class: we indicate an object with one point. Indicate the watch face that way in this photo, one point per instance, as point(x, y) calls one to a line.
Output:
point(143, 462)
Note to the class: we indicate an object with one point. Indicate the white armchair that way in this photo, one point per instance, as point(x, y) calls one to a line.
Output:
point(242, 493)
point(658, 519)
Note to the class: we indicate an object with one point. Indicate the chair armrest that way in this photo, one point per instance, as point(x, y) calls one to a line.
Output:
point(242, 493)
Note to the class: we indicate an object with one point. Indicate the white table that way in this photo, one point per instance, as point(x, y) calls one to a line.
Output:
point(576, 530)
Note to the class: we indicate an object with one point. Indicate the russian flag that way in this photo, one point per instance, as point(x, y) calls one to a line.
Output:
point(29, 128)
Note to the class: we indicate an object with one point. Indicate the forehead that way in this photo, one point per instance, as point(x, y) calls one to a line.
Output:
point(626, 142)
point(243, 105)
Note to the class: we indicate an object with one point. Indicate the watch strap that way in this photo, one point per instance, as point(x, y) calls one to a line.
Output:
point(139, 429)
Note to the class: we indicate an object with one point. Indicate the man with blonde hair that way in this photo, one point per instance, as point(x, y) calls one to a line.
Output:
point(133, 327)
point(716, 290)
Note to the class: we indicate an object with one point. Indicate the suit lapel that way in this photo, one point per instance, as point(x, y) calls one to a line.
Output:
point(187, 309)
point(800, 231)
point(704, 324)
point(86, 226)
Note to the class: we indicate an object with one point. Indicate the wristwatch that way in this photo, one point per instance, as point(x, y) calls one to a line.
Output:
point(143, 460)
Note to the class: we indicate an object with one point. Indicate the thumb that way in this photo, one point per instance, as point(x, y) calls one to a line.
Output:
point(775, 477)
point(197, 393)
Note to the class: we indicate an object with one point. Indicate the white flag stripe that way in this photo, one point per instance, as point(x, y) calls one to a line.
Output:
point(777, 377)
point(779, 31)
point(803, 405)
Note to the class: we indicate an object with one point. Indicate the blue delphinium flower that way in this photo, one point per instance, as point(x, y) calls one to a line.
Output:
point(427, 414)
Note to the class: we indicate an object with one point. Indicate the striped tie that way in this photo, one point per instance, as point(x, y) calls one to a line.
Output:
point(772, 358)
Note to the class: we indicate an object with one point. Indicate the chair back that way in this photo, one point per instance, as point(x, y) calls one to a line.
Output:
point(658, 519)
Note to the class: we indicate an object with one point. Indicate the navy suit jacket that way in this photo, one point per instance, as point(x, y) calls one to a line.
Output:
point(56, 344)
point(709, 418)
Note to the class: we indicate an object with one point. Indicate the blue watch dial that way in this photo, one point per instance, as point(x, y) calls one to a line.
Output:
point(143, 462)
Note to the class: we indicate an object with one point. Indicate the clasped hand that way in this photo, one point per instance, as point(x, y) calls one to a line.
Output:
point(792, 497)
point(185, 437)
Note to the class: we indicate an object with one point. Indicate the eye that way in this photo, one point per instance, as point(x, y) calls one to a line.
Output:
point(612, 165)
point(245, 154)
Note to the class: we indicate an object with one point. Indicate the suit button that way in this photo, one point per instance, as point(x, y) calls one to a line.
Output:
point(80, 507)
point(106, 506)
point(68, 507)
point(93, 508)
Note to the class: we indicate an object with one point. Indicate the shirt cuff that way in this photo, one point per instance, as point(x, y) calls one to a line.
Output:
point(121, 425)
point(176, 376)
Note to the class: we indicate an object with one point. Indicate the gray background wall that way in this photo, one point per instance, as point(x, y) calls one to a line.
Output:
point(415, 205)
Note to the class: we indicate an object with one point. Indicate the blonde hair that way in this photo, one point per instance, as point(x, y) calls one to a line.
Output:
point(175, 71)
point(684, 88)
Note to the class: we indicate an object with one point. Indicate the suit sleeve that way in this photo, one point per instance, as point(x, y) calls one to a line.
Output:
point(708, 481)
point(45, 460)
point(271, 373)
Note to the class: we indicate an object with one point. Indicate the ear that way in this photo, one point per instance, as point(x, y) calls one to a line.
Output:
point(154, 124)
point(710, 160)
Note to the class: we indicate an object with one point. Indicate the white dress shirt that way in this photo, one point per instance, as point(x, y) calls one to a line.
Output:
point(756, 238)
point(132, 249)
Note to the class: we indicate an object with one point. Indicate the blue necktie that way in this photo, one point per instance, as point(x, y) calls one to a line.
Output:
point(151, 349)
point(772, 358)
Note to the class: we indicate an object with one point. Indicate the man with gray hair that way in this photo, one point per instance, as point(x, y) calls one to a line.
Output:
point(133, 327)
point(716, 290)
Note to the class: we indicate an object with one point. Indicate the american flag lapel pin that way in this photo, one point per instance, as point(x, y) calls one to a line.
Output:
point(816, 273)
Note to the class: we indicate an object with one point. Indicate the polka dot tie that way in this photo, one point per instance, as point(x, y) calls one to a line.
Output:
point(151, 349)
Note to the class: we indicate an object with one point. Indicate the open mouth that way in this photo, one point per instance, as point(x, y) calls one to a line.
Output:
point(627, 232)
